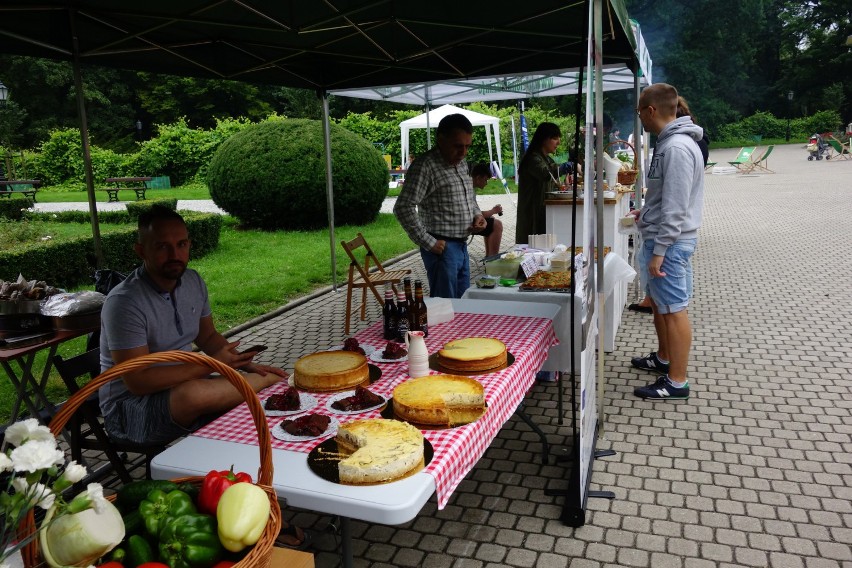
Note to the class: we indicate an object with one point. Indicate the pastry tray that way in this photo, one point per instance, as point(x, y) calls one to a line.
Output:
point(387, 412)
point(324, 458)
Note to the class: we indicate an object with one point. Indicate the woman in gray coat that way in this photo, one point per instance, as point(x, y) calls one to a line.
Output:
point(537, 174)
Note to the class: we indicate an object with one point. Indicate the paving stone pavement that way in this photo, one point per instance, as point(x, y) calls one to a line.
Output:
point(755, 469)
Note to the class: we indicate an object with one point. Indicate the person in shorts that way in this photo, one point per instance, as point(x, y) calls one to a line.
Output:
point(163, 306)
point(669, 223)
point(493, 231)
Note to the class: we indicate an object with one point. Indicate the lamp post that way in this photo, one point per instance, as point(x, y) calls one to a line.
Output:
point(789, 102)
point(139, 130)
point(4, 94)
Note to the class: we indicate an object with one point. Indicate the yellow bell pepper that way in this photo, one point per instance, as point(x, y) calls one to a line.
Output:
point(242, 514)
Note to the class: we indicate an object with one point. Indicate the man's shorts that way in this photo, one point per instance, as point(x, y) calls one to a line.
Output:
point(671, 292)
point(145, 420)
point(489, 227)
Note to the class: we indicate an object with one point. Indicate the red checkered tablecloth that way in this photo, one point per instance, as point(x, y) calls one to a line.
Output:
point(456, 449)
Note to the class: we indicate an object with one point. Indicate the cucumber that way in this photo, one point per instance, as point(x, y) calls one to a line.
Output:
point(133, 523)
point(130, 495)
point(138, 551)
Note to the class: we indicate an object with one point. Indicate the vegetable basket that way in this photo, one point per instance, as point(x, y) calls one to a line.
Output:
point(260, 554)
point(625, 177)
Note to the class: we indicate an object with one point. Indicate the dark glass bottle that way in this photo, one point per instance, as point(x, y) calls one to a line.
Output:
point(409, 297)
point(420, 309)
point(402, 315)
point(389, 315)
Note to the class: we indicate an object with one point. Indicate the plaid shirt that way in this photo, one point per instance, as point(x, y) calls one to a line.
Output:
point(436, 198)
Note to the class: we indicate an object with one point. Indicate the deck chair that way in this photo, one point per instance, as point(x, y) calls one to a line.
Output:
point(367, 275)
point(759, 164)
point(709, 166)
point(838, 148)
point(86, 430)
point(744, 156)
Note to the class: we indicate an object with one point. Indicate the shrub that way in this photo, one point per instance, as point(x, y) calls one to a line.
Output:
point(14, 208)
point(71, 262)
point(272, 176)
point(822, 121)
point(61, 159)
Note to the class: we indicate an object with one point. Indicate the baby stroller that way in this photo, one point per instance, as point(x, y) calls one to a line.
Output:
point(817, 147)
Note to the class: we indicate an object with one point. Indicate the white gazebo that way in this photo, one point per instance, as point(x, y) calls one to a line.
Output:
point(433, 117)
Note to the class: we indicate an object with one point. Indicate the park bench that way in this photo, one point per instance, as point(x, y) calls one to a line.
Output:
point(25, 187)
point(127, 183)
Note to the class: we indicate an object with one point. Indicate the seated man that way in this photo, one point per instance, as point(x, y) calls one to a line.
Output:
point(493, 231)
point(163, 306)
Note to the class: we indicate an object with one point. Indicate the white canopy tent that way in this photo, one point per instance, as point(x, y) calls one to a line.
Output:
point(433, 117)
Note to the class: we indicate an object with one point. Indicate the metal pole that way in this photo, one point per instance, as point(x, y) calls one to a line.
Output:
point(599, 204)
point(329, 188)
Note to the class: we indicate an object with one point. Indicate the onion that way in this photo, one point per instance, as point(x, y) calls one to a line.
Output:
point(79, 539)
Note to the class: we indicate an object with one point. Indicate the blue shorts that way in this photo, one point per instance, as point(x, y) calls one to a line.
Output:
point(671, 292)
point(145, 420)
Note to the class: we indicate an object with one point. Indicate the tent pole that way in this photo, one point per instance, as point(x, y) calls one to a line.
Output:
point(428, 126)
point(599, 203)
point(84, 135)
point(329, 188)
point(515, 150)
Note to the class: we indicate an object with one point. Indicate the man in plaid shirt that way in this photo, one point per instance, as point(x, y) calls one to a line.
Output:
point(437, 208)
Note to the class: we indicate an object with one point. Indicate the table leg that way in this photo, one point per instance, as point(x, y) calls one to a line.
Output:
point(30, 391)
point(346, 544)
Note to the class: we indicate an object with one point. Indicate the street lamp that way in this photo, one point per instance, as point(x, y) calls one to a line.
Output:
point(139, 130)
point(4, 94)
point(789, 102)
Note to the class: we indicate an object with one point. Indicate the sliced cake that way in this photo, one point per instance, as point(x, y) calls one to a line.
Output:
point(381, 450)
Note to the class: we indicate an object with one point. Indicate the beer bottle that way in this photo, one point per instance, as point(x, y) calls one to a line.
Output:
point(409, 297)
point(420, 309)
point(402, 315)
point(389, 315)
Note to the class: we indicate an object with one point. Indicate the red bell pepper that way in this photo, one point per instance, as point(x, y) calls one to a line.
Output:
point(214, 485)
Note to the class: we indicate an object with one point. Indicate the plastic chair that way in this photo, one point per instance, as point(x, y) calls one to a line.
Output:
point(363, 277)
point(758, 163)
point(838, 148)
point(743, 157)
point(86, 428)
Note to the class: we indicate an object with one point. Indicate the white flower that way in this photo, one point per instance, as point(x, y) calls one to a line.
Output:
point(95, 494)
point(36, 455)
point(74, 472)
point(42, 495)
point(5, 464)
point(28, 429)
point(20, 484)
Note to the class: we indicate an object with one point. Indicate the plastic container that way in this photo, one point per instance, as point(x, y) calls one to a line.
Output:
point(503, 267)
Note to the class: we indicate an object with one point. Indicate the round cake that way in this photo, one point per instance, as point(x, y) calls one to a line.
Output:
point(331, 371)
point(381, 450)
point(439, 400)
point(473, 354)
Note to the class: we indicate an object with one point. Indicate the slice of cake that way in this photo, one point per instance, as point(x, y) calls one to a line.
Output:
point(362, 399)
point(381, 450)
point(473, 354)
point(287, 401)
point(331, 371)
point(309, 425)
point(439, 400)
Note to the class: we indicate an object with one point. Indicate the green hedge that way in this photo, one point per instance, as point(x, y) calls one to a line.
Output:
point(136, 208)
point(71, 262)
point(13, 208)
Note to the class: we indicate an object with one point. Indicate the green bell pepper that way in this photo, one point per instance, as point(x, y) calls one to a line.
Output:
point(158, 506)
point(190, 541)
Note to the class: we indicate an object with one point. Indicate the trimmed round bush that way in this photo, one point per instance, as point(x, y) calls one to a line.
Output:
point(272, 176)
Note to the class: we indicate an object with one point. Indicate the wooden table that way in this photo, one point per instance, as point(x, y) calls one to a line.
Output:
point(6, 189)
point(118, 181)
point(28, 387)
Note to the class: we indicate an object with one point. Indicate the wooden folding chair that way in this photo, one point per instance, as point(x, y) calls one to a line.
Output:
point(365, 277)
point(86, 428)
point(758, 163)
point(838, 148)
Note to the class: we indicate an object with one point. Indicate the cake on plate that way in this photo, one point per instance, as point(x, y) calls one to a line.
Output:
point(473, 354)
point(439, 400)
point(379, 450)
point(331, 370)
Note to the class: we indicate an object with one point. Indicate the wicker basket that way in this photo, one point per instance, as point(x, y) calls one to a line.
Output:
point(625, 177)
point(260, 555)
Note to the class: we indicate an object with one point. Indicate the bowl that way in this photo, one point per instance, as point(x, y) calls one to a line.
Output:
point(503, 267)
point(487, 281)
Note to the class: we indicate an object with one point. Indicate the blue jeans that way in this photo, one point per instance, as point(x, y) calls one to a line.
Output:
point(671, 292)
point(448, 273)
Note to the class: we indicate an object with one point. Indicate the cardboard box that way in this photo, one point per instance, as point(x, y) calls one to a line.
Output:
point(288, 558)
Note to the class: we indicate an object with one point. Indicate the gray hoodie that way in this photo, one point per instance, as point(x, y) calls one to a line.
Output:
point(675, 181)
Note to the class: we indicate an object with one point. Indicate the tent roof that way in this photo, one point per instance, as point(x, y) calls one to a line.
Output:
point(333, 44)
point(435, 116)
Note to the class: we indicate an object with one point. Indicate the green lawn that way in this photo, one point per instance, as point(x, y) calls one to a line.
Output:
point(64, 195)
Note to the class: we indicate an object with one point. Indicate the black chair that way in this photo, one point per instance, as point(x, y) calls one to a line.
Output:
point(86, 430)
